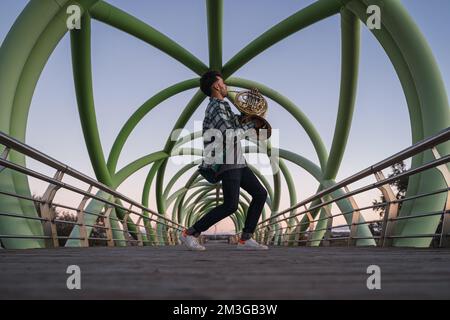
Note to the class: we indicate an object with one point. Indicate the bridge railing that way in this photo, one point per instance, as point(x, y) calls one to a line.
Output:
point(301, 225)
point(137, 224)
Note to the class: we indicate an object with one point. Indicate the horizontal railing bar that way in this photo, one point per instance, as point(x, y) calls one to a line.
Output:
point(435, 213)
point(360, 209)
point(69, 238)
point(336, 238)
point(7, 236)
point(431, 235)
point(14, 195)
point(374, 237)
point(360, 223)
point(66, 222)
point(421, 195)
point(54, 204)
point(366, 208)
point(58, 205)
point(96, 226)
point(364, 238)
point(98, 239)
point(18, 216)
point(62, 237)
point(356, 238)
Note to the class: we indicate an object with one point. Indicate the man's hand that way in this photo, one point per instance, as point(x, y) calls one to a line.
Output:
point(244, 118)
point(258, 120)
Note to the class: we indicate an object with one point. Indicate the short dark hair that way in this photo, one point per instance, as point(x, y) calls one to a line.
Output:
point(207, 80)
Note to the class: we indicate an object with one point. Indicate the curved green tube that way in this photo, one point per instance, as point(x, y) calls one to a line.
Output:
point(181, 122)
point(214, 9)
point(121, 20)
point(42, 24)
point(23, 55)
point(82, 72)
point(303, 18)
point(140, 113)
point(350, 34)
point(290, 107)
point(425, 91)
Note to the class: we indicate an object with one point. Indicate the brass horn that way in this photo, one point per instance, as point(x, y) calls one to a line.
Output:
point(251, 103)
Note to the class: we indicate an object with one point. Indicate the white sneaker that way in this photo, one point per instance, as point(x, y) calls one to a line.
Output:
point(191, 242)
point(251, 244)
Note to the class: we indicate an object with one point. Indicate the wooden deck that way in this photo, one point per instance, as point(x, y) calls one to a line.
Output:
point(221, 272)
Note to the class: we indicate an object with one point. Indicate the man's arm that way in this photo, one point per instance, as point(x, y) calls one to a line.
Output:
point(223, 121)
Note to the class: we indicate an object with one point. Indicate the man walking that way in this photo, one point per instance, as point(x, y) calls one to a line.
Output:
point(234, 173)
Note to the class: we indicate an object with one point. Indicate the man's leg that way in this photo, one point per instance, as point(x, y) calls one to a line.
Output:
point(251, 184)
point(230, 187)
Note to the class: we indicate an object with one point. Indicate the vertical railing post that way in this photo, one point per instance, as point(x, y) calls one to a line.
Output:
point(169, 235)
point(256, 235)
point(139, 234)
point(268, 232)
point(157, 241)
point(81, 219)
point(326, 242)
point(177, 233)
point(297, 231)
point(285, 235)
point(310, 230)
point(263, 234)
point(47, 213)
point(107, 223)
point(355, 219)
point(147, 227)
point(4, 156)
point(125, 226)
point(444, 240)
point(390, 212)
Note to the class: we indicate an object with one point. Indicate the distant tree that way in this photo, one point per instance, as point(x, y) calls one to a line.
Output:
point(399, 185)
point(65, 229)
point(98, 233)
point(62, 229)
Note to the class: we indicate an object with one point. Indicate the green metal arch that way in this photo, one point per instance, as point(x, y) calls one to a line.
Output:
point(41, 25)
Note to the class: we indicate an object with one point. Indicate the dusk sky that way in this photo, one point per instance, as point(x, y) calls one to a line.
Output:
point(304, 67)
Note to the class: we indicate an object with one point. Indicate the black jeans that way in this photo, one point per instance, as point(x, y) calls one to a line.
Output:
point(232, 181)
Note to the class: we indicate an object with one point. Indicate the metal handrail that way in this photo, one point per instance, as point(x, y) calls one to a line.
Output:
point(416, 148)
point(35, 154)
point(429, 165)
point(11, 143)
point(265, 227)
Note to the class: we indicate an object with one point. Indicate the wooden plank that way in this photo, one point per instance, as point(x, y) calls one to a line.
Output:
point(222, 272)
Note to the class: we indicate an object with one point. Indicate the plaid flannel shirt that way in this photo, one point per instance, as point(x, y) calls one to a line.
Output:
point(218, 115)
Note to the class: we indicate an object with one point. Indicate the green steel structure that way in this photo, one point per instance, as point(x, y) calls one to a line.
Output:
point(42, 24)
